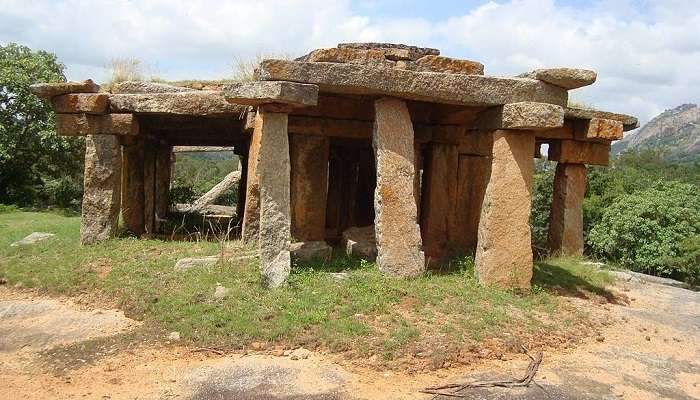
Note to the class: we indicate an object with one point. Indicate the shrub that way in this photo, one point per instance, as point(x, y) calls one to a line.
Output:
point(644, 230)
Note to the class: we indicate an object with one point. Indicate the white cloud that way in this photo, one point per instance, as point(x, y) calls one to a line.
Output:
point(646, 52)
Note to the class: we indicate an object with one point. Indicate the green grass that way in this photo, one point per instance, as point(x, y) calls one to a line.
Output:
point(366, 313)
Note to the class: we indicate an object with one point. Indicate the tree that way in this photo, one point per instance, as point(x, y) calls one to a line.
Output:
point(37, 167)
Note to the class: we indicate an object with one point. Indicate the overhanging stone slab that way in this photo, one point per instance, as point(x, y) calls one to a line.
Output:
point(568, 78)
point(523, 115)
point(474, 90)
point(578, 152)
point(182, 103)
point(48, 90)
point(85, 124)
point(257, 93)
point(629, 122)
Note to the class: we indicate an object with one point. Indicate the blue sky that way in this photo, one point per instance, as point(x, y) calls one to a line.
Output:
point(646, 53)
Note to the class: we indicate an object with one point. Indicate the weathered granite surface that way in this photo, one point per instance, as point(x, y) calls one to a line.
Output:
point(48, 90)
point(102, 182)
point(568, 78)
point(523, 115)
point(147, 87)
point(256, 93)
point(181, 103)
point(89, 103)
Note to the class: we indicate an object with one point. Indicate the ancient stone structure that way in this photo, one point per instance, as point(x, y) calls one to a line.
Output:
point(388, 152)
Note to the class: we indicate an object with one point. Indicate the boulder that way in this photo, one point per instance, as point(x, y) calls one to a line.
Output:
point(307, 251)
point(360, 242)
point(48, 90)
point(33, 238)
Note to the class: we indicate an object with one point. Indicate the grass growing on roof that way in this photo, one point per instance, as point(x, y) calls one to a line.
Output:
point(361, 311)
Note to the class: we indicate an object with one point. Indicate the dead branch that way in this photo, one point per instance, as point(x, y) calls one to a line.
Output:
point(454, 389)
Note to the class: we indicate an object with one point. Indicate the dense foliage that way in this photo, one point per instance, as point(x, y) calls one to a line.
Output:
point(37, 168)
point(639, 193)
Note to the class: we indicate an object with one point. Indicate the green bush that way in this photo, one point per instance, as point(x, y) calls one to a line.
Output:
point(644, 230)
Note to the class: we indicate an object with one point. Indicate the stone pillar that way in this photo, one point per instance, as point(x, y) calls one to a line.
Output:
point(273, 171)
point(472, 178)
point(504, 252)
point(309, 186)
point(241, 199)
point(149, 186)
point(397, 233)
point(566, 215)
point(101, 196)
point(251, 216)
point(366, 182)
point(439, 201)
point(132, 185)
point(162, 184)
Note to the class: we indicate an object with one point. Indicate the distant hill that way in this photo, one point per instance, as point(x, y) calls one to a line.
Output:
point(675, 133)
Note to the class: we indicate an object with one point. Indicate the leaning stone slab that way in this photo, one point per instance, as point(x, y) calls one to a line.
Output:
point(85, 124)
point(568, 78)
point(393, 51)
point(147, 87)
point(598, 128)
point(360, 242)
point(273, 171)
point(396, 215)
point(75, 103)
point(524, 115)
point(504, 252)
point(629, 122)
point(256, 93)
point(432, 63)
point(471, 90)
point(48, 90)
point(307, 251)
point(183, 103)
point(33, 238)
point(102, 193)
point(577, 152)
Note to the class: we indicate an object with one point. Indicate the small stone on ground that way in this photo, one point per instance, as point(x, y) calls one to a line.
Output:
point(33, 238)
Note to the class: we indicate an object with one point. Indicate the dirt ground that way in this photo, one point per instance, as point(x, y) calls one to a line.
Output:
point(57, 349)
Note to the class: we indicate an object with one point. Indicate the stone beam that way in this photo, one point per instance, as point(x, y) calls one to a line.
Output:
point(504, 252)
point(257, 93)
point(85, 124)
point(567, 78)
point(566, 215)
point(598, 129)
point(102, 181)
point(274, 175)
point(523, 115)
point(48, 90)
point(198, 102)
point(629, 122)
point(474, 90)
point(577, 152)
point(88, 103)
point(396, 228)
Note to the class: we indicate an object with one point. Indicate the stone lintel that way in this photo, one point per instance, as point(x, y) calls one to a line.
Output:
point(579, 152)
point(48, 90)
point(461, 89)
point(279, 92)
point(74, 103)
point(524, 115)
point(629, 122)
point(598, 129)
point(568, 78)
point(198, 102)
point(86, 124)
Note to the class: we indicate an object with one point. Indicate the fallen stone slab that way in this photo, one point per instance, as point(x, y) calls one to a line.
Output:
point(88, 103)
point(629, 122)
point(211, 209)
point(393, 51)
point(360, 242)
point(86, 124)
point(147, 87)
point(568, 78)
point(461, 89)
point(196, 262)
point(181, 103)
point(524, 115)
point(48, 90)
point(33, 238)
point(256, 93)
point(214, 193)
point(632, 276)
point(307, 251)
